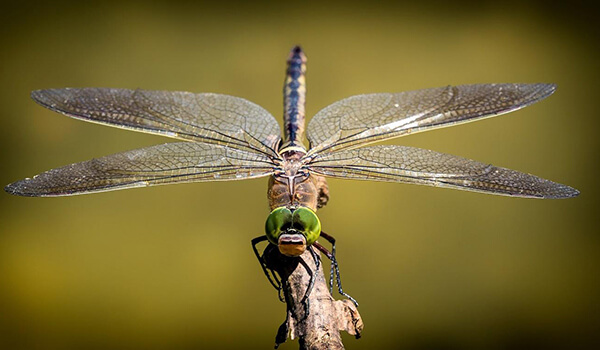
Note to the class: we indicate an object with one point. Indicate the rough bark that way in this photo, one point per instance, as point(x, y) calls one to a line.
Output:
point(326, 318)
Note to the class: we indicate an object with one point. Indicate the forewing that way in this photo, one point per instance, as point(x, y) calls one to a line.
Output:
point(162, 164)
point(362, 119)
point(207, 117)
point(425, 167)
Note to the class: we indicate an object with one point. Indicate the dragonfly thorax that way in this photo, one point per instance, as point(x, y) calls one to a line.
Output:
point(292, 168)
point(292, 184)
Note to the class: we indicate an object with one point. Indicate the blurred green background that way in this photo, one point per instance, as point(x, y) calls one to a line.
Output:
point(171, 267)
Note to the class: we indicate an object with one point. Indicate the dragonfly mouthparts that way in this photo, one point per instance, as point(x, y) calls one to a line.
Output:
point(292, 236)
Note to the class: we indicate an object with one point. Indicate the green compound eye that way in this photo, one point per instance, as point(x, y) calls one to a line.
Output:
point(279, 220)
point(306, 221)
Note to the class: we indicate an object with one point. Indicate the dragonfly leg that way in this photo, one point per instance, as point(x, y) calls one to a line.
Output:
point(335, 269)
point(311, 283)
point(272, 277)
point(283, 331)
point(331, 258)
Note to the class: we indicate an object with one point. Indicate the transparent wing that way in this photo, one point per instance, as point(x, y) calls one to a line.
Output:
point(425, 167)
point(358, 120)
point(211, 118)
point(162, 164)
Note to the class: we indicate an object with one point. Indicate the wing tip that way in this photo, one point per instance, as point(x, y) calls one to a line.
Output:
point(11, 189)
point(19, 188)
point(53, 99)
point(564, 192)
point(547, 89)
point(535, 91)
point(30, 187)
point(547, 189)
point(42, 97)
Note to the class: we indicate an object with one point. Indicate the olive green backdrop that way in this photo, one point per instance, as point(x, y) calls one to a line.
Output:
point(171, 267)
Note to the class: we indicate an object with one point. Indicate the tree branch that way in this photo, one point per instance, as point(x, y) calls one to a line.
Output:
point(321, 328)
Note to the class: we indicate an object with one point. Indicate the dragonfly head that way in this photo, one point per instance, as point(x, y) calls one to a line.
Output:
point(292, 229)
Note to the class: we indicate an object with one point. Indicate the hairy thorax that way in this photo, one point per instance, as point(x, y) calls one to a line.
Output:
point(291, 186)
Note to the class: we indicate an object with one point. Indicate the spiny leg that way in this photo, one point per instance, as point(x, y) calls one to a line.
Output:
point(311, 283)
point(334, 265)
point(334, 268)
point(272, 277)
point(282, 331)
point(335, 271)
point(331, 258)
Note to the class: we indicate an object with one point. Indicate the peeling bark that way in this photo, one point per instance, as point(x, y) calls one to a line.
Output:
point(326, 318)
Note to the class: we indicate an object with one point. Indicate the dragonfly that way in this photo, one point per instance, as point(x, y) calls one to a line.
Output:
point(226, 138)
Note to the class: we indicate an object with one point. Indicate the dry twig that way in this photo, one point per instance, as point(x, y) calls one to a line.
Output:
point(320, 329)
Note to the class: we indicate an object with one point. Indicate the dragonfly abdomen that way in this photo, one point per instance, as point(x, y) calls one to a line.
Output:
point(294, 94)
